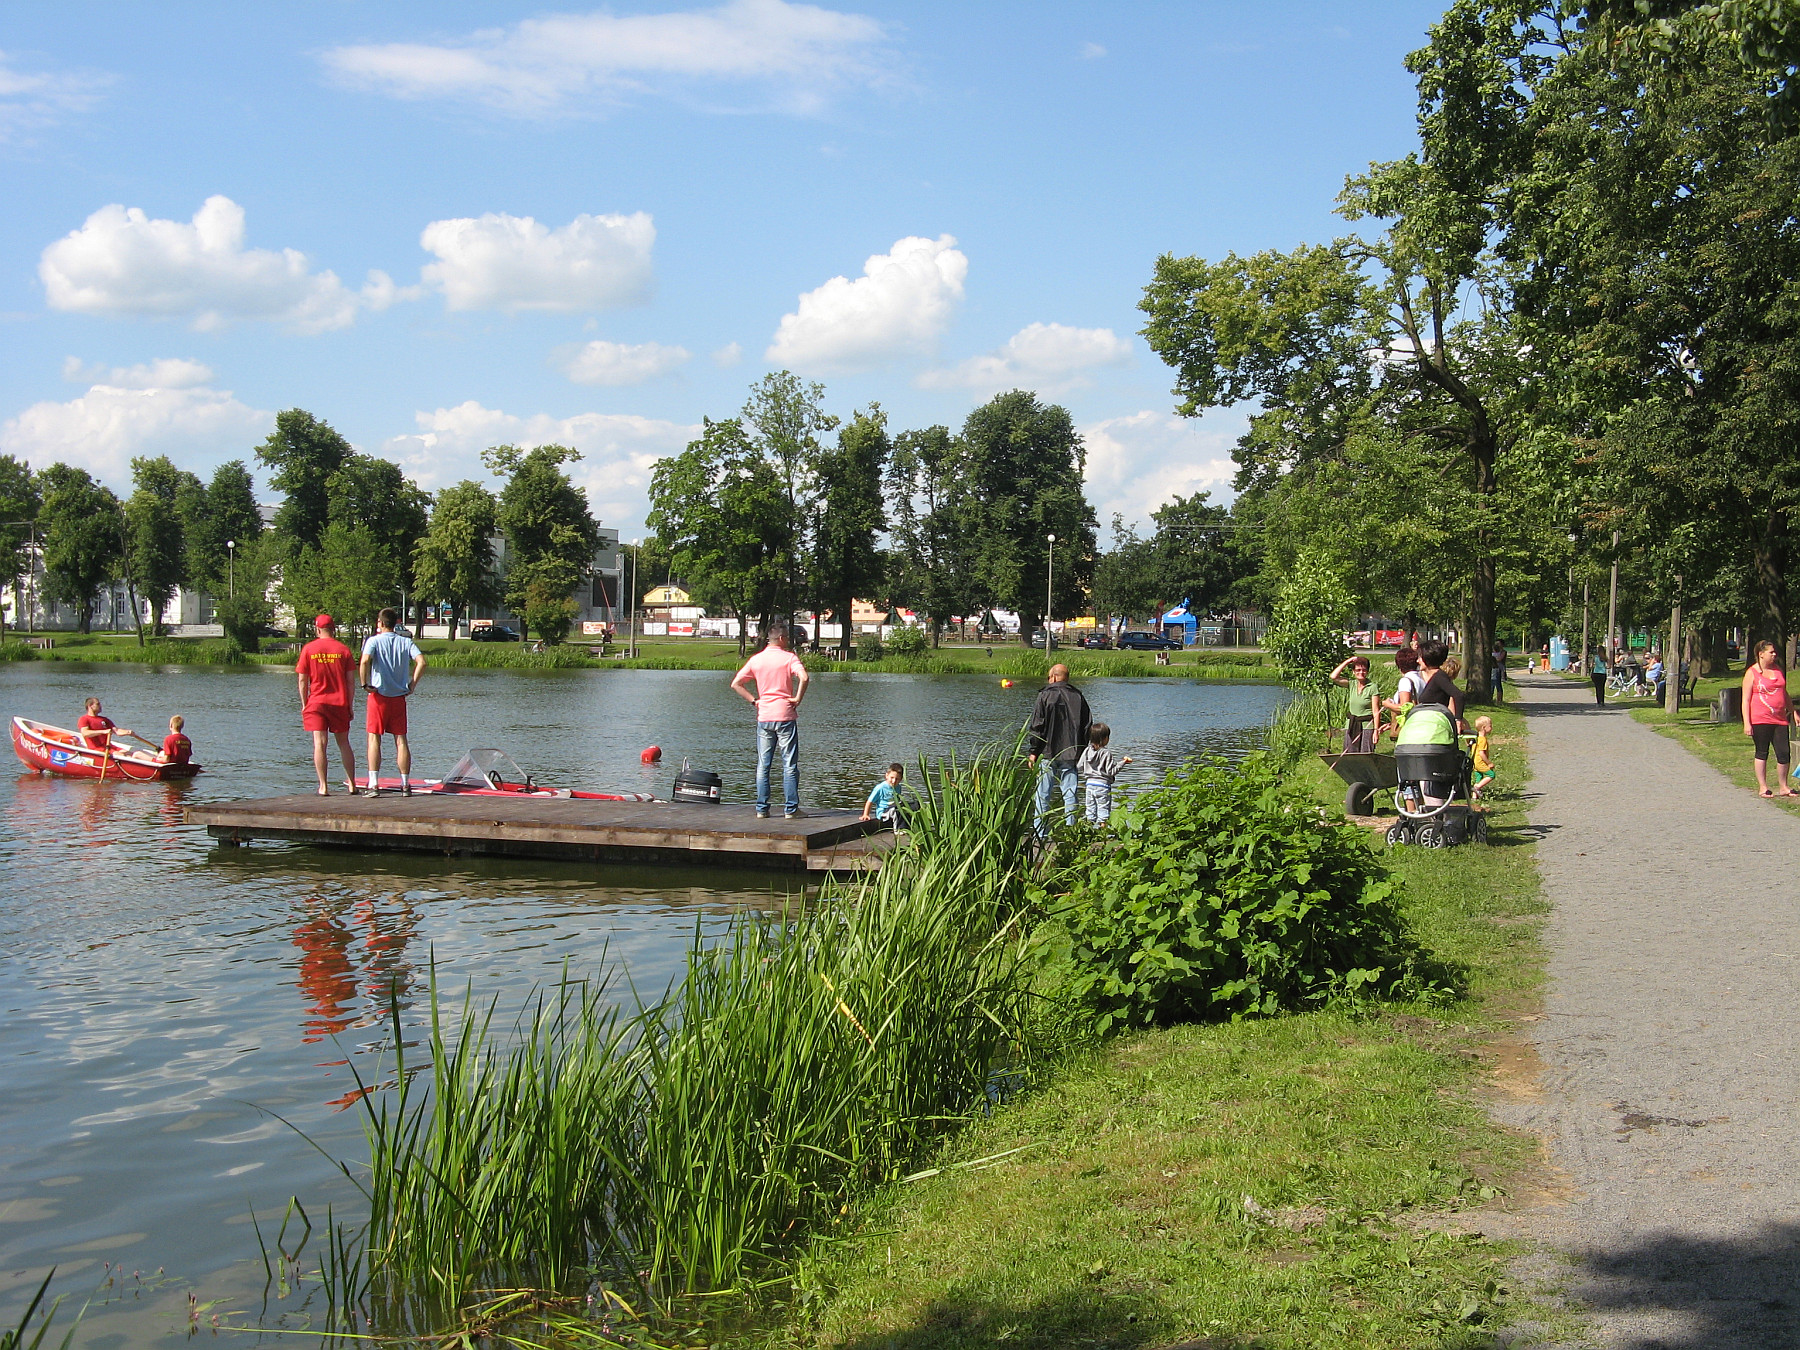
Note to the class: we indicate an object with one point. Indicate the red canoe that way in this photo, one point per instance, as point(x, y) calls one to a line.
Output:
point(49, 749)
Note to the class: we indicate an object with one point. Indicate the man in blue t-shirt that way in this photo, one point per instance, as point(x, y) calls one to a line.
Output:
point(391, 668)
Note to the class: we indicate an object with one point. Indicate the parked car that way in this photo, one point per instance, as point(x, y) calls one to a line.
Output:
point(1096, 640)
point(269, 630)
point(1147, 642)
point(494, 632)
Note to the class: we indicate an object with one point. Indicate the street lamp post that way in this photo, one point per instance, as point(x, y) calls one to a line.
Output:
point(1049, 593)
point(231, 566)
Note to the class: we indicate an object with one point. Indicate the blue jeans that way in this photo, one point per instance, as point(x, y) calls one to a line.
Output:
point(1066, 776)
point(787, 736)
point(1099, 801)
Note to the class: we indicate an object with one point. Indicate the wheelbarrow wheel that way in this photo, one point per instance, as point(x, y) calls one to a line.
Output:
point(1359, 800)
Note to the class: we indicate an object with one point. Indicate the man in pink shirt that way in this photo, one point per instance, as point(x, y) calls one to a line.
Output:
point(781, 682)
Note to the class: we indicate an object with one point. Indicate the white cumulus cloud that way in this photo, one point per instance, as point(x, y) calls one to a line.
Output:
point(1138, 462)
point(791, 57)
point(728, 355)
point(1049, 358)
point(620, 363)
point(512, 263)
point(31, 99)
point(618, 451)
point(124, 263)
point(898, 307)
point(161, 407)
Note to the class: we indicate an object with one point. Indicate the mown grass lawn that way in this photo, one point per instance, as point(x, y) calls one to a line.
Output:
point(1294, 1181)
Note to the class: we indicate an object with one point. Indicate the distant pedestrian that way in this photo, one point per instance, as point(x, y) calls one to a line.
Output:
point(1497, 672)
point(390, 670)
point(1768, 709)
point(780, 679)
point(1099, 769)
point(323, 669)
point(1598, 672)
point(1056, 734)
point(1544, 660)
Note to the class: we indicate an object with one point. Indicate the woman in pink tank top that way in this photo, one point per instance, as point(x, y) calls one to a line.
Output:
point(1767, 711)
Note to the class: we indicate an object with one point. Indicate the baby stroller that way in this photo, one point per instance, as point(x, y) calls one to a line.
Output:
point(1434, 775)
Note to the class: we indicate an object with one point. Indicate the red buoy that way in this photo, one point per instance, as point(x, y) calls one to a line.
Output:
point(652, 755)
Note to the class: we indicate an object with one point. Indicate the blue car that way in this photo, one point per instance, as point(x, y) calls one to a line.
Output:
point(1147, 642)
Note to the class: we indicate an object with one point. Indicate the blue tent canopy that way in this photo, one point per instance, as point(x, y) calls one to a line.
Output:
point(1181, 616)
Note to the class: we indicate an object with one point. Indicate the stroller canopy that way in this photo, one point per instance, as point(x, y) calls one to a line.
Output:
point(1427, 724)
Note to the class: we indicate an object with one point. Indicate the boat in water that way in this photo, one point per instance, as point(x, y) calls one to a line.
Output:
point(71, 754)
point(494, 773)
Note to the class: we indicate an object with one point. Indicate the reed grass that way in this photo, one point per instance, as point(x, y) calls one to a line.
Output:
point(21, 1336)
point(685, 1145)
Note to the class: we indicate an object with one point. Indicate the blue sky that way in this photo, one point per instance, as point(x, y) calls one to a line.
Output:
point(446, 226)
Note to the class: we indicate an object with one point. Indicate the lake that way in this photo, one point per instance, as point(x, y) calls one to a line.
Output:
point(164, 1001)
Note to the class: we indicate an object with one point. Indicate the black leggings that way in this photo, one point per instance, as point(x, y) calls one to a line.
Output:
point(1599, 689)
point(1767, 734)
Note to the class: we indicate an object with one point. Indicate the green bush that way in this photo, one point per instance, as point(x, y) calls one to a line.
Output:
point(17, 649)
point(908, 641)
point(1224, 893)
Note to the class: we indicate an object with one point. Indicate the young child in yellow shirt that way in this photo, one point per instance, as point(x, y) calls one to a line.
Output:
point(1484, 762)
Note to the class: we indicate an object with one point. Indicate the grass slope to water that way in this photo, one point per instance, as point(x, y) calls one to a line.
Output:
point(1275, 1183)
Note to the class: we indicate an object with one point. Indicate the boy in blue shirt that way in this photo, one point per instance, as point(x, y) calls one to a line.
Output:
point(884, 800)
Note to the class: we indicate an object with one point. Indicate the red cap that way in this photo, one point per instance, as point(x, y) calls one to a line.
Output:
point(324, 621)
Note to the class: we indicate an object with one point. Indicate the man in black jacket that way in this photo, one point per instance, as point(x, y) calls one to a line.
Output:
point(1057, 733)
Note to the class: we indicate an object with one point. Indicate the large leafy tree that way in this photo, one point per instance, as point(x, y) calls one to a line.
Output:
point(1657, 230)
point(83, 537)
point(718, 511)
point(225, 511)
point(20, 503)
point(454, 561)
point(156, 546)
point(551, 536)
point(1025, 468)
point(373, 495)
point(935, 528)
point(303, 453)
point(850, 514)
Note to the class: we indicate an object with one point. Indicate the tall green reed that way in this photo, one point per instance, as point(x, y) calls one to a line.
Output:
point(687, 1144)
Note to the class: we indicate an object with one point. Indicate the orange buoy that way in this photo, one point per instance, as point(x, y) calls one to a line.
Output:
point(652, 755)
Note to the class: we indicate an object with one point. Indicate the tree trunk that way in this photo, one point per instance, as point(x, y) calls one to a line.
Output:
point(743, 636)
point(843, 608)
point(87, 616)
point(1480, 637)
point(1771, 586)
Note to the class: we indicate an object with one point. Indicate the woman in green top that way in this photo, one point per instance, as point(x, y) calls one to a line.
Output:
point(1359, 728)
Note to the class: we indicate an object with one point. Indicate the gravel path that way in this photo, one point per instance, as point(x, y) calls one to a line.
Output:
point(1670, 1036)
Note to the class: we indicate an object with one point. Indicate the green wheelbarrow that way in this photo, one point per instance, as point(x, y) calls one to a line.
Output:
point(1364, 774)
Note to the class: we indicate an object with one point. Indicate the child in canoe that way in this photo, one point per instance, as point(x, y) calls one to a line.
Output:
point(176, 748)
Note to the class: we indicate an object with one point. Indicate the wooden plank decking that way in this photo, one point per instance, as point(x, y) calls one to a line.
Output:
point(551, 827)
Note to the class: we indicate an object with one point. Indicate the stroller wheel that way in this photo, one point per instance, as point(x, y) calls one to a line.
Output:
point(1481, 829)
point(1431, 836)
point(1396, 833)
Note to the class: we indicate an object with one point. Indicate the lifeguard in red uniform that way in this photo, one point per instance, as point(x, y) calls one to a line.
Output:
point(324, 671)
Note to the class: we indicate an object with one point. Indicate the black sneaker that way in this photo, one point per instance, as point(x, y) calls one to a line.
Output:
point(795, 814)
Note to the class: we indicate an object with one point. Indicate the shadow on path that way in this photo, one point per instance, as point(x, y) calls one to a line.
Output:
point(1678, 1292)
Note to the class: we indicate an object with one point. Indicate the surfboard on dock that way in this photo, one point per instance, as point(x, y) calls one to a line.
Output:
point(577, 829)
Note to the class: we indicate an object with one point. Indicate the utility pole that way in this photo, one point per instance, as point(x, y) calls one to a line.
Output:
point(1612, 606)
point(631, 621)
point(1672, 658)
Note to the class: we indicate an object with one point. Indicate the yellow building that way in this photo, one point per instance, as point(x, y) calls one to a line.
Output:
point(666, 595)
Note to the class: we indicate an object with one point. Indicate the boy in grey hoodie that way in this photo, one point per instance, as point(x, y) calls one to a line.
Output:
point(1099, 767)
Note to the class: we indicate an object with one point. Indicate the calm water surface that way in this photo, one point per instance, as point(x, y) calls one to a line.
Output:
point(161, 1001)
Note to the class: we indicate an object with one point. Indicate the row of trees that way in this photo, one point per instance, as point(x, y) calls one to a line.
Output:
point(351, 534)
point(1576, 313)
point(768, 512)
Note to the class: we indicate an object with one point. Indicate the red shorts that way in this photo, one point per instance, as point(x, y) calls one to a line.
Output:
point(385, 715)
point(326, 717)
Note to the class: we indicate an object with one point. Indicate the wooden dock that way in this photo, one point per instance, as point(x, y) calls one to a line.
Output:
point(689, 834)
